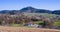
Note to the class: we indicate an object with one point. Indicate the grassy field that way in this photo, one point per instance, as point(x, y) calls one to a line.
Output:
point(44, 14)
point(57, 23)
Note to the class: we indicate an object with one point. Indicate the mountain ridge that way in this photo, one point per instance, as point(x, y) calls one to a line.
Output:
point(30, 10)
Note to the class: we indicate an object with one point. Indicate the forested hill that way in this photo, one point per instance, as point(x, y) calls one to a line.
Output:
point(30, 10)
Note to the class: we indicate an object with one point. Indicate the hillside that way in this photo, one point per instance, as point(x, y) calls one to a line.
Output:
point(30, 10)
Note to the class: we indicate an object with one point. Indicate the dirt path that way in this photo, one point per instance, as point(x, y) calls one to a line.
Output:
point(22, 29)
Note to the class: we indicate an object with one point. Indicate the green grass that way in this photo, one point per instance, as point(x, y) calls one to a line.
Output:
point(37, 22)
point(57, 23)
point(20, 25)
point(16, 25)
point(44, 14)
point(29, 26)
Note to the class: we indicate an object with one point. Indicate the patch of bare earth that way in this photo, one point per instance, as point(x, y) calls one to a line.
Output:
point(23, 29)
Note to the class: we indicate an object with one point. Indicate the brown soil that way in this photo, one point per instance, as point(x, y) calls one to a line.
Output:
point(23, 29)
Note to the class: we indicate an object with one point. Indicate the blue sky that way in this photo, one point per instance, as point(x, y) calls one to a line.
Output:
point(19, 4)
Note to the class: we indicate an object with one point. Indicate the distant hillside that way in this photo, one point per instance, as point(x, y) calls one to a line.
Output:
point(56, 12)
point(30, 10)
point(34, 10)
